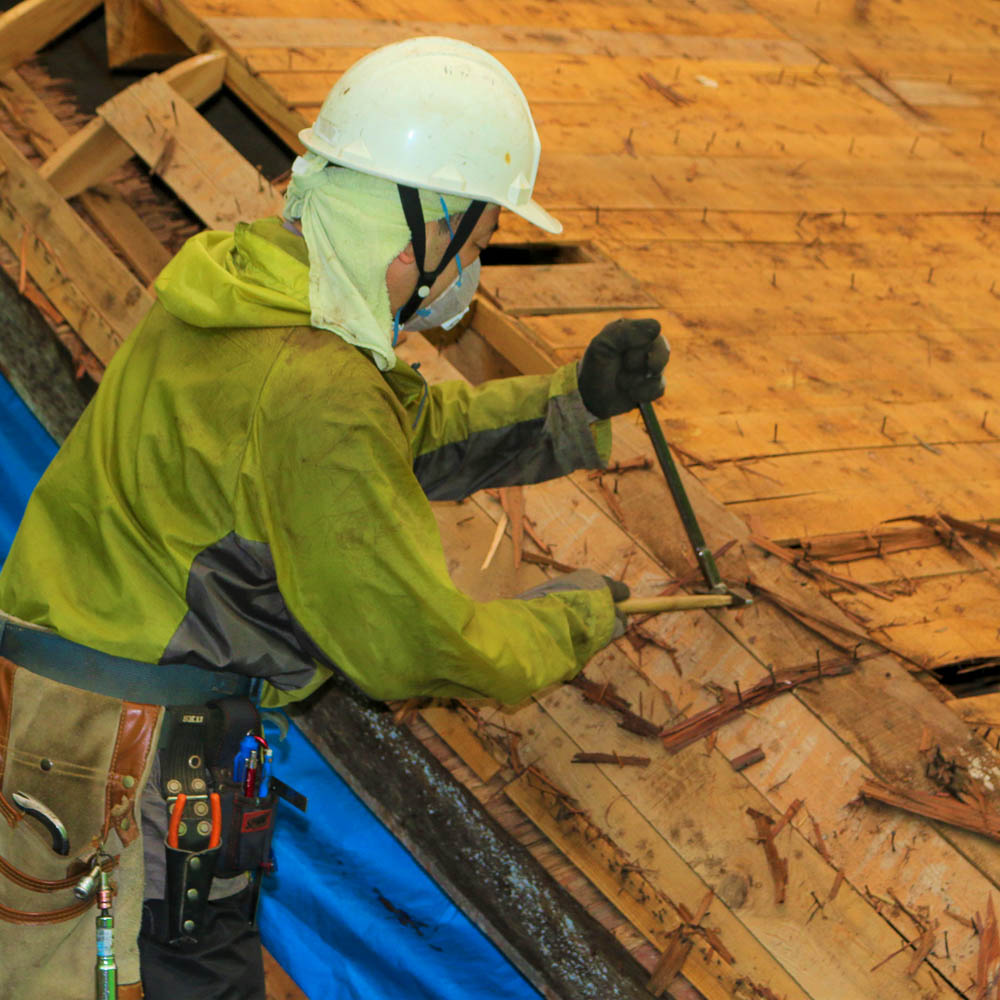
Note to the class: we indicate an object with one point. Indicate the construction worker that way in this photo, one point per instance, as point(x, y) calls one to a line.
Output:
point(247, 496)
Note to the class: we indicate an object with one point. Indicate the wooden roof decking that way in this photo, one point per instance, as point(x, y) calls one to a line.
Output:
point(809, 193)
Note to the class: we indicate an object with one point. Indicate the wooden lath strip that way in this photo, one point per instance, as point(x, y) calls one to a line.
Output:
point(82, 278)
point(110, 212)
point(257, 94)
point(202, 168)
point(24, 29)
point(93, 153)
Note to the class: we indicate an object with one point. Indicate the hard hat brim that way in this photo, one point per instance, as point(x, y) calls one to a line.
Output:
point(531, 211)
point(537, 216)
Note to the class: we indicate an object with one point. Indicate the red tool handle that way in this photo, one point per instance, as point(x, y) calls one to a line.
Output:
point(216, 837)
point(175, 820)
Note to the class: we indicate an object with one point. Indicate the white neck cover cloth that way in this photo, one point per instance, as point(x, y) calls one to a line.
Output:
point(354, 227)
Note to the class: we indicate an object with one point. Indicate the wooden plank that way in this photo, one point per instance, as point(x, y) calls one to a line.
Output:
point(94, 152)
point(202, 168)
point(510, 338)
point(280, 985)
point(859, 713)
point(590, 732)
point(580, 14)
point(949, 463)
point(586, 286)
point(980, 710)
point(31, 24)
point(319, 33)
point(610, 869)
point(634, 866)
point(108, 209)
point(462, 740)
point(79, 274)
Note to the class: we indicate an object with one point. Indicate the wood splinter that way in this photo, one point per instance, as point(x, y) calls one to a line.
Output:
point(604, 694)
point(944, 809)
point(616, 468)
point(610, 758)
point(733, 704)
point(679, 944)
point(745, 760)
point(777, 864)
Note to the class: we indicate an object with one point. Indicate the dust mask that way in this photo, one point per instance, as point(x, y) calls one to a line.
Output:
point(451, 305)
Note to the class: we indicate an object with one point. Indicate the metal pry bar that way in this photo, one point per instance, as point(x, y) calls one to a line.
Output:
point(702, 553)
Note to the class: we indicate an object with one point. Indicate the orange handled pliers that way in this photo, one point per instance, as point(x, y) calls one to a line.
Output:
point(178, 811)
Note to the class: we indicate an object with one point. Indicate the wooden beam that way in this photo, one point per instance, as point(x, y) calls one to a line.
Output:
point(211, 177)
point(24, 29)
point(262, 98)
point(511, 339)
point(137, 39)
point(96, 151)
point(551, 939)
point(110, 212)
point(84, 280)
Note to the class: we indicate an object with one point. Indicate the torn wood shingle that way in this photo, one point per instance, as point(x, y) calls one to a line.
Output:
point(733, 703)
point(941, 808)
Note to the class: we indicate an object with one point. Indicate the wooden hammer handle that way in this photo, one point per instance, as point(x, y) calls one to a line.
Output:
point(676, 602)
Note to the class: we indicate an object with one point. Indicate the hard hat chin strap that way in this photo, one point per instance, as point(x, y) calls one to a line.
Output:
point(410, 199)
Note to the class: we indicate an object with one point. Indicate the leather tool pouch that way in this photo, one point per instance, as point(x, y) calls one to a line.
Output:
point(199, 747)
point(86, 757)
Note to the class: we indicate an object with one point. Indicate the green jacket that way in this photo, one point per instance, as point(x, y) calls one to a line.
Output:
point(248, 492)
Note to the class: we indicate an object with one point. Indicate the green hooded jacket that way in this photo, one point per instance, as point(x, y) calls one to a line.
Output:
point(248, 492)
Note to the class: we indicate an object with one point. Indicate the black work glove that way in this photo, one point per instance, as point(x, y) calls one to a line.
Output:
point(586, 579)
point(622, 367)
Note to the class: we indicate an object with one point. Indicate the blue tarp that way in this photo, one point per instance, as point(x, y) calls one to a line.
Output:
point(354, 916)
point(349, 913)
point(25, 451)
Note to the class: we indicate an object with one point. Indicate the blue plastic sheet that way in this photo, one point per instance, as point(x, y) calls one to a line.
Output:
point(349, 914)
point(25, 451)
point(352, 916)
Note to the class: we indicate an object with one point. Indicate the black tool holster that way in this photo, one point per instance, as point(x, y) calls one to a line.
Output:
point(197, 752)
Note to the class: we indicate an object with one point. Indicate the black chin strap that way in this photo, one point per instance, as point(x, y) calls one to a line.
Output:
point(410, 199)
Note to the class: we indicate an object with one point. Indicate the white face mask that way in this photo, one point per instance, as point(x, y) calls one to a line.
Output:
point(451, 305)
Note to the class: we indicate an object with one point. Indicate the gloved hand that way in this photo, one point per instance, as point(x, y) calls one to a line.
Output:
point(586, 579)
point(623, 366)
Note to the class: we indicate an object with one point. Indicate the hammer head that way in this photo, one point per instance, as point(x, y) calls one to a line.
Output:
point(739, 597)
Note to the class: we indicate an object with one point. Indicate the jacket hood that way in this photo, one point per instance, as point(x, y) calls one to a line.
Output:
point(257, 276)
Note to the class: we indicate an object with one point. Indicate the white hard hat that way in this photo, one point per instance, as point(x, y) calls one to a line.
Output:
point(437, 114)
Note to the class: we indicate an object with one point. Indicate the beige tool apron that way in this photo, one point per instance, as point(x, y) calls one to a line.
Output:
point(87, 758)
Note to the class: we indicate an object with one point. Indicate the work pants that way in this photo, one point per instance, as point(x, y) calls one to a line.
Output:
point(224, 964)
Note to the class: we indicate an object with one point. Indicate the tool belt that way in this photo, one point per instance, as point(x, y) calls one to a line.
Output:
point(220, 820)
point(79, 732)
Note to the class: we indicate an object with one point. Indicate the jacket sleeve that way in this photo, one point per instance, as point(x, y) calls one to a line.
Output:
point(505, 432)
point(360, 565)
